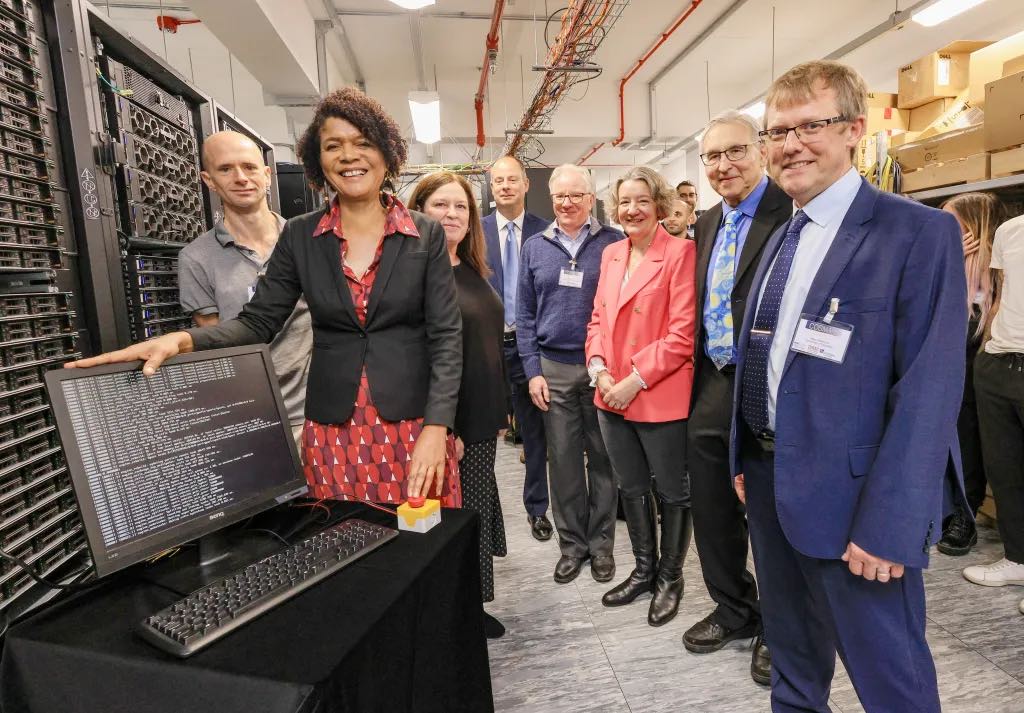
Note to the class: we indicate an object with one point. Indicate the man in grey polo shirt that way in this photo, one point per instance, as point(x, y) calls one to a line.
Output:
point(218, 271)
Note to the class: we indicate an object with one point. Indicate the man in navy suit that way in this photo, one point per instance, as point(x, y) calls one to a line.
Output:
point(848, 385)
point(509, 227)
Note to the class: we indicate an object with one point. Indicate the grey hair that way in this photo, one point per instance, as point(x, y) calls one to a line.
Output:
point(736, 118)
point(572, 168)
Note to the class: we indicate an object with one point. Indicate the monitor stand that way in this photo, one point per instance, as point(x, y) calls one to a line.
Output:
point(216, 556)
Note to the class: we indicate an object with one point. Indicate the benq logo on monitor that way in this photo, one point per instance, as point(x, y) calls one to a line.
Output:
point(216, 515)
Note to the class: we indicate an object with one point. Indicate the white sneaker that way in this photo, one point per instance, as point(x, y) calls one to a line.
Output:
point(997, 574)
point(1021, 606)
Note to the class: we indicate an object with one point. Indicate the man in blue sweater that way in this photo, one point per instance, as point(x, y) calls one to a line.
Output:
point(557, 282)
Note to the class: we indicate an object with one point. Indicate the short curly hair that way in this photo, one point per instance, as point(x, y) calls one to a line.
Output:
point(367, 115)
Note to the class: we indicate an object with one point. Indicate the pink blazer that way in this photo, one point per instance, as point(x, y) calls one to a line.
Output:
point(649, 324)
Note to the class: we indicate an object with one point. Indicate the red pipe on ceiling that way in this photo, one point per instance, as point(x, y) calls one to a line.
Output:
point(640, 63)
point(588, 154)
point(490, 54)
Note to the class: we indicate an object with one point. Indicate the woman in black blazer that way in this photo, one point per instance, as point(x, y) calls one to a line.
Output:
point(387, 336)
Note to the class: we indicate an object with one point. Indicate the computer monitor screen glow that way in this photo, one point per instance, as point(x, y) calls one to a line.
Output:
point(160, 460)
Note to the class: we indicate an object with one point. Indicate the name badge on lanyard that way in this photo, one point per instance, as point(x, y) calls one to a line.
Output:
point(570, 277)
point(823, 338)
point(251, 289)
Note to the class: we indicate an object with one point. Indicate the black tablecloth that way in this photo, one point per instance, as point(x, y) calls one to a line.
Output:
point(399, 630)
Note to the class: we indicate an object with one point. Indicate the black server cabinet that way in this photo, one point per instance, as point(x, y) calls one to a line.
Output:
point(41, 318)
point(297, 196)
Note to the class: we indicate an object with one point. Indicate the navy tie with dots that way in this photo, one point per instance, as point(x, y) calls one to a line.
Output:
point(754, 403)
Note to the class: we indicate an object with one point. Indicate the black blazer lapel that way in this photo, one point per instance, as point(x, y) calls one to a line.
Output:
point(774, 209)
point(330, 251)
point(706, 233)
point(389, 256)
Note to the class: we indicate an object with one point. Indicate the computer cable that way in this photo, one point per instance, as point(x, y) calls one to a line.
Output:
point(72, 586)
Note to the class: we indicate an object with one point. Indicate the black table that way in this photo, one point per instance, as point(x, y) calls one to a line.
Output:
point(399, 630)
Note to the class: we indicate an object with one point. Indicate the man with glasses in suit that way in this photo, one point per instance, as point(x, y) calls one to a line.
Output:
point(730, 239)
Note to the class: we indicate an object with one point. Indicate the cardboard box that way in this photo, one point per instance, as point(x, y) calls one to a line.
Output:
point(923, 116)
point(880, 100)
point(987, 65)
point(1004, 115)
point(959, 115)
point(905, 138)
point(966, 170)
point(887, 119)
point(1007, 163)
point(940, 149)
point(936, 75)
point(1012, 66)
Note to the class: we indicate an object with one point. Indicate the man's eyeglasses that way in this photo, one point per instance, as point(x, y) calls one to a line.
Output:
point(733, 153)
point(808, 132)
point(574, 198)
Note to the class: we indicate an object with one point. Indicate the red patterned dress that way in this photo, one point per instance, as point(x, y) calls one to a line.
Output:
point(368, 458)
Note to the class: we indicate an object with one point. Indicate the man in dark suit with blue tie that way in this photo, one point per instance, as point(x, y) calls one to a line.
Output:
point(505, 231)
point(849, 377)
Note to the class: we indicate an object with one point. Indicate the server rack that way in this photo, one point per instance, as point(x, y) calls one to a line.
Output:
point(41, 323)
point(224, 120)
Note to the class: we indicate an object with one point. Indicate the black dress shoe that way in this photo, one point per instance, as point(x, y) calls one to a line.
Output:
point(959, 535)
point(708, 635)
point(602, 568)
point(567, 569)
point(493, 628)
point(761, 662)
point(540, 526)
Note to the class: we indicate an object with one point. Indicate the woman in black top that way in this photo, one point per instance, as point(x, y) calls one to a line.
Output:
point(481, 414)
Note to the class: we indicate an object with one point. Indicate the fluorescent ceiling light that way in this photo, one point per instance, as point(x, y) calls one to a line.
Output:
point(413, 4)
point(942, 11)
point(425, 108)
point(755, 110)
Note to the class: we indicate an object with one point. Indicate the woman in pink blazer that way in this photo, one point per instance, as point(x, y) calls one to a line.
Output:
point(640, 355)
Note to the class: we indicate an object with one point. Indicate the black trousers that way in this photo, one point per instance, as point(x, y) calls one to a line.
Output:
point(969, 432)
point(530, 424)
point(639, 451)
point(719, 519)
point(999, 388)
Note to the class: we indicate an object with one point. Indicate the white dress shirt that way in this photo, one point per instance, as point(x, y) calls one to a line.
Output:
point(826, 212)
point(1008, 256)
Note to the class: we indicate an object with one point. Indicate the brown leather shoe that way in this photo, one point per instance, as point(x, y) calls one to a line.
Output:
point(761, 662)
point(602, 568)
point(567, 569)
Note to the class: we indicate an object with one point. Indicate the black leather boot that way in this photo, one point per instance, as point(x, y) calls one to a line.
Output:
point(676, 527)
point(640, 525)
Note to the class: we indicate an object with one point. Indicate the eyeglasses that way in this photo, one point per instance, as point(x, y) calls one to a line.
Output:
point(733, 153)
point(574, 198)
point(807, 133)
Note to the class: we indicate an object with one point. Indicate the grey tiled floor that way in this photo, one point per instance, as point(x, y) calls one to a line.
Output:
point(564, 652)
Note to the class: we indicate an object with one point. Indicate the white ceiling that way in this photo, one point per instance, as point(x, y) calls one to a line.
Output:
point(730, 67)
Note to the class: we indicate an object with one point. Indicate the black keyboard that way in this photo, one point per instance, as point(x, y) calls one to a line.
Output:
point(217, 609)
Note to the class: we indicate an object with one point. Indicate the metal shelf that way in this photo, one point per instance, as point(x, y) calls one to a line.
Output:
point(992, 184)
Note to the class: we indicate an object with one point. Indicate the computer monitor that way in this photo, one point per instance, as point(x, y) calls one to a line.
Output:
point(157, 461)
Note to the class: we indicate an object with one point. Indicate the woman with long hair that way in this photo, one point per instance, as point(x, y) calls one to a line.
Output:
point(979, 214)
point(481, 413)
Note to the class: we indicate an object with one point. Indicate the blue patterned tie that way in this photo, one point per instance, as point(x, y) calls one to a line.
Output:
point(511, 274)
point(754, 404)
point(718, 315)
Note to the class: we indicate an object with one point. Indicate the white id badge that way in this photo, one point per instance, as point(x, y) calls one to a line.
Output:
point(251, 290)
point(817, 337)
point(570, 278)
